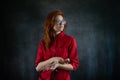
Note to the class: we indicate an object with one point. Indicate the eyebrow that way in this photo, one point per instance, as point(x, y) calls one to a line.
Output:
point(59, 20)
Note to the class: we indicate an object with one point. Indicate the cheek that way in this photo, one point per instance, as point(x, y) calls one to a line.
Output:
point(55, 28)
point(62, 26)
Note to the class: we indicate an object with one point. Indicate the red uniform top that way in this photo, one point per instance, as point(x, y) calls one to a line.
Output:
point(64, 46)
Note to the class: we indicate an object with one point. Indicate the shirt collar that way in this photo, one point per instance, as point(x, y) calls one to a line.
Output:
point(60, 35)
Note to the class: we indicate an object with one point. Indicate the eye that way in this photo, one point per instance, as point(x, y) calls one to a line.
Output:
point(59, 22)
point(63, 22)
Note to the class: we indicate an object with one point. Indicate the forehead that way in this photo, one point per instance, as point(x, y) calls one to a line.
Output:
point(59, 17)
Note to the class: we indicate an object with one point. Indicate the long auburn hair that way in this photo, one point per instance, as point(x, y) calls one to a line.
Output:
point(49, 32)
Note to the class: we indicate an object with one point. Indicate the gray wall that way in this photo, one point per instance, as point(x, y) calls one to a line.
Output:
point(94, 24)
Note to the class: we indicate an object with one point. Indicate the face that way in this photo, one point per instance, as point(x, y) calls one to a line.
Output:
point(59, 23)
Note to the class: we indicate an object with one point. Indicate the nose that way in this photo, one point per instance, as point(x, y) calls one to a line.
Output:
point(61, 23)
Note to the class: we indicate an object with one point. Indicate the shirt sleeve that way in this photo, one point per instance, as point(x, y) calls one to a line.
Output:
point(73, 54)
point(39, 56)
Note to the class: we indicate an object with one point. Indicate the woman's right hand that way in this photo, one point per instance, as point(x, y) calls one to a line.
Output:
point(56, 60)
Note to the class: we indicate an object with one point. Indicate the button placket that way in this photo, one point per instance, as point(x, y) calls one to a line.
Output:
point(55, 47)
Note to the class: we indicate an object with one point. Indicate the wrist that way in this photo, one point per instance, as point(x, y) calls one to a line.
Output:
point(60, 65)
point(49, 61)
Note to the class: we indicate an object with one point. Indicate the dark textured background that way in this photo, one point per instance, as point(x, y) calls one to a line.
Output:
point(94, 23)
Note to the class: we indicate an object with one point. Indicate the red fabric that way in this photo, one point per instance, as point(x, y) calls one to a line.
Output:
point(64, 46)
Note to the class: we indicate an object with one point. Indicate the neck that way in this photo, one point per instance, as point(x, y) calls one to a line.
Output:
point(58, 32)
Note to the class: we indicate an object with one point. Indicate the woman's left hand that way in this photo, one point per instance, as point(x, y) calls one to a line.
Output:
point(51, 66)
point(54, 66)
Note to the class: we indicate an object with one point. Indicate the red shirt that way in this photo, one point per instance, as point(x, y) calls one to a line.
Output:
point(64, 46)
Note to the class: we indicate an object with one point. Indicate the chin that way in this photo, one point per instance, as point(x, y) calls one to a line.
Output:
point(61, 30)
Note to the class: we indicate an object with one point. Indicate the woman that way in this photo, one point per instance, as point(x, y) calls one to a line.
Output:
point(57, 52)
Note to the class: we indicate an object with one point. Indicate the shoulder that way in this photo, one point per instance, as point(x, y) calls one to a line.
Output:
point(69, 37)
point(41, 42)
point(71, 41)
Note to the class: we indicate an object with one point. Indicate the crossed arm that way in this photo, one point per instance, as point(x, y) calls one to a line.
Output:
point(53, 63)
